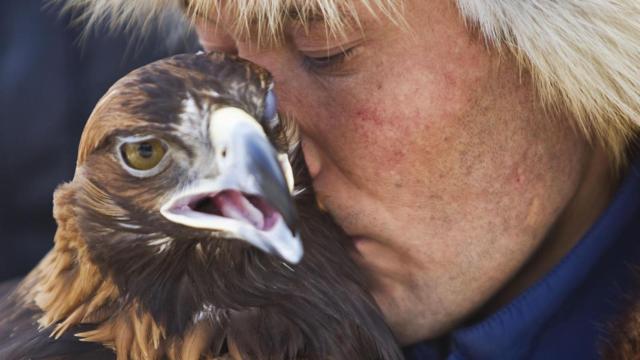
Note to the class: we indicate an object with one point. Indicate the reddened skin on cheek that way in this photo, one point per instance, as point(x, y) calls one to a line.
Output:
point(368, 117)
point(383, 134)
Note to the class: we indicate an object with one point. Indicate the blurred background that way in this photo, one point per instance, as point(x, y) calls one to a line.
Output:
point(49, 83)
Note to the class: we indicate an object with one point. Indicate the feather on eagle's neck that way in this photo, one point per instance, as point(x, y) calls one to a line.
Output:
point(70, 290)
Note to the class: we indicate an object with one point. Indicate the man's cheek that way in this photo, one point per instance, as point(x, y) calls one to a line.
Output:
point(376, 140)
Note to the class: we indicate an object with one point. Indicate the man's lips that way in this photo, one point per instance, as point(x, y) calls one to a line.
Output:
point(359, 242)
point(358, 239)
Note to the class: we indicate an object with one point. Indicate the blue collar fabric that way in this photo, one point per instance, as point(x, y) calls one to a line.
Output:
point(565, 315)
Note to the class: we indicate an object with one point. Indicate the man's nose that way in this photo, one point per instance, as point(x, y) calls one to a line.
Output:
point(311, 156)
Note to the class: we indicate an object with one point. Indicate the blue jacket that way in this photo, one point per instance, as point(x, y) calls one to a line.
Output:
point(568, 313)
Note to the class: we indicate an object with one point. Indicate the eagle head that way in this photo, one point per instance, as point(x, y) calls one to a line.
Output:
point(187, 153)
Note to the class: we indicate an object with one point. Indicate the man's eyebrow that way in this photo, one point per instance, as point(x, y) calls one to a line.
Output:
point(300, 13)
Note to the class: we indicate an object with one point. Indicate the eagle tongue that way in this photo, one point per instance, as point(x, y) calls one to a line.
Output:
point(235, 205)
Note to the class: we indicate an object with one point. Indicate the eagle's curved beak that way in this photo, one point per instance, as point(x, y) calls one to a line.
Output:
point(250, 196)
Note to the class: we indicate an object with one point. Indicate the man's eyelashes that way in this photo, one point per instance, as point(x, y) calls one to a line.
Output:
point(328, 61)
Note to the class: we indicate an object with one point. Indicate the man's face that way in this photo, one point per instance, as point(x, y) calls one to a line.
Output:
point(429, 149)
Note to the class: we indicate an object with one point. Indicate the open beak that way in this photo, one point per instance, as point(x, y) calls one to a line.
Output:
point(250, 197)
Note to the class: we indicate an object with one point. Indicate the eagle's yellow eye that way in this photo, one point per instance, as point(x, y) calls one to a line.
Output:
point(143, 155)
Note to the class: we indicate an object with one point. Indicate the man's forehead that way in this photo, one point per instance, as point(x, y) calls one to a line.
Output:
point(266, 20)
point(283, 8)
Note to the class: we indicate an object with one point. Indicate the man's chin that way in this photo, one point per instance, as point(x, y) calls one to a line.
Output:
point(397, 311)
point(409, 323)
